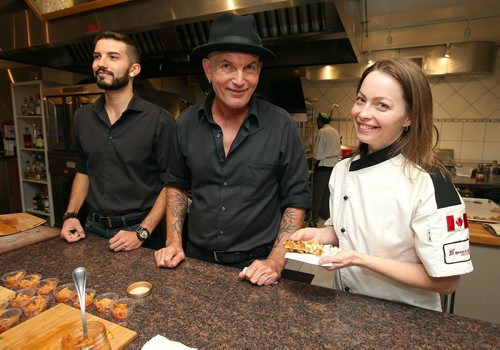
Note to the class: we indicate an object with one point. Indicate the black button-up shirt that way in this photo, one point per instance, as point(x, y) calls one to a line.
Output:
point(126, 162)
point(238, 200)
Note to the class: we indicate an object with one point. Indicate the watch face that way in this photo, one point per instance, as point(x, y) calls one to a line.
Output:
point(142, 233)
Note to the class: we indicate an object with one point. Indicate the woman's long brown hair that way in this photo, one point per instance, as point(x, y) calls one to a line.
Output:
point(416, 142)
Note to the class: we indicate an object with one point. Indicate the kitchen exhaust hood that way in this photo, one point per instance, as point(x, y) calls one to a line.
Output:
point(300, 32)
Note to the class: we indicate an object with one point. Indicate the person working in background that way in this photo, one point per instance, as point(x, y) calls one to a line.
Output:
point(399, 221)
point(243, 160)
point(327, 153)
point(123, 149)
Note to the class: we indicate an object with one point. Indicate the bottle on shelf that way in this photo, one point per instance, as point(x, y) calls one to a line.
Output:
point(24, 107)
point(45, 199)
point(38, 107)
point(36, 170)
point(34, 134)
point(39, 142)
point(28, 171)
point(31, 106)
point(43, 170)
point(36, 201)
point(27, 138)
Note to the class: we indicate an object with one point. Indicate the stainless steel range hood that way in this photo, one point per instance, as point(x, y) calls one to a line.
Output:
point(300, 32)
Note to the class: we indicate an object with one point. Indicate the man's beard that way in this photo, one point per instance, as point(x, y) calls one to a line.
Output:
point(116, 83)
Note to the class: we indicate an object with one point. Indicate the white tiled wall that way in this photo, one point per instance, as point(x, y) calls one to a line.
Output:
point(466, 112)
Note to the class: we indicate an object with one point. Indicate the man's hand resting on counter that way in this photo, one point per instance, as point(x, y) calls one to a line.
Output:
point(170, 256)
point(263, 272)
point(72, 230)
point(124, 241)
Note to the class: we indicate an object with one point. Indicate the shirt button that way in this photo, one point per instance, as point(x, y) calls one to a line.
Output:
point(222, 160)
point(223, 208)
point(345, 198)
point(218, 136)
point(221, 232)
point(225, 183)
point(342, 230)
point(346, 289)
point(110, 138)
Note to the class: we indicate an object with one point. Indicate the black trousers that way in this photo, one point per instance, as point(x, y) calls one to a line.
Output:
point(321, 193)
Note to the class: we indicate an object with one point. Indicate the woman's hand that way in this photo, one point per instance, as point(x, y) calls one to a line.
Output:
point(325, 235)
point(343, 258)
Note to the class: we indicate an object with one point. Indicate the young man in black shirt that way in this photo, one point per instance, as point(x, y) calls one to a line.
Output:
point(123, 148)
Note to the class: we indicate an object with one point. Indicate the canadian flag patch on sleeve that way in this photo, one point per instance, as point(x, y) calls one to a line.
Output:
point(456, 252)
point(459, 223)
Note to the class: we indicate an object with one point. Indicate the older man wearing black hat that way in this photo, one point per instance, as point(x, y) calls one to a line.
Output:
point(243, 161)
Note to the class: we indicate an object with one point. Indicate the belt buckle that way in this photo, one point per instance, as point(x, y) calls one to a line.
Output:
point(105, 221)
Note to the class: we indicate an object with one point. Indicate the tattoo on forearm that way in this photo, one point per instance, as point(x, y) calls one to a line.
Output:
point(177, 206)
point(287, 225)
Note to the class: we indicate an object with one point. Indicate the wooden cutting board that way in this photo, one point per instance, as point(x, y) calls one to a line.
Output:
point(46, 330)
point(6, 294)
point(18, 222)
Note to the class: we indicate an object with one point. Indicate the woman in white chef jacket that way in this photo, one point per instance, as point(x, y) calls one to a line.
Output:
point(394, 212)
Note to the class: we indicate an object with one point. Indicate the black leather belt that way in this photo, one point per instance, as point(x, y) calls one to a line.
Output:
point(117, 221)
point(234, 257)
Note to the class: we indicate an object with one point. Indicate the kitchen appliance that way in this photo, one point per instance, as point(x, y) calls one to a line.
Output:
point(60, 105)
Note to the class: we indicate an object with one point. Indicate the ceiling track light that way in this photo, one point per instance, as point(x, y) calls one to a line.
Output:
point(447, 51)
point(388, 40)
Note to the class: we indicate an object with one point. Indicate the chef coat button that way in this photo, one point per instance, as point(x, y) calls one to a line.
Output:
point(342, 230)
point(221, 232)
point(346, 289)
point(345, 198)
point(218, 135)
point(110, 138)
point(223, 208)
point(222, 160)
point(225, 183)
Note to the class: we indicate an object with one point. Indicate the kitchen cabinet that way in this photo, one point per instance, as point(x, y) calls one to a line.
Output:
point(32, 156)
point(477, 292)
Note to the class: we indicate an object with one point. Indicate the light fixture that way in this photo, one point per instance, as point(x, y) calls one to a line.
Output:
point(468, 29)
point(447, 51)
point(389, 36)
point(369, 58)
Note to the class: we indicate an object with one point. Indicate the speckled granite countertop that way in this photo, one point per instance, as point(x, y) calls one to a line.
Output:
point(206, 306)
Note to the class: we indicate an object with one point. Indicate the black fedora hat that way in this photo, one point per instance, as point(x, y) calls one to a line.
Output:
point(230, 32)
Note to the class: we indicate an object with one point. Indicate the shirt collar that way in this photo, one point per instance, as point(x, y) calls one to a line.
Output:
point(136, 103)
point(366, 160)
point(205, 110)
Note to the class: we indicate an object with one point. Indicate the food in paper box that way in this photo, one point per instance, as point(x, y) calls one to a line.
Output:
point(308, 247)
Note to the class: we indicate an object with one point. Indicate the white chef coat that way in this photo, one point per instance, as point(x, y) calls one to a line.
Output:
point(327, 146)
point(378, 210)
